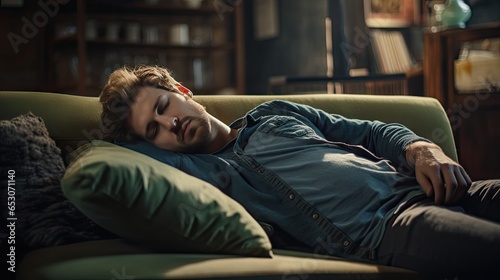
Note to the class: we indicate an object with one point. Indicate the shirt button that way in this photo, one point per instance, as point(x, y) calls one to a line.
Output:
point(261, 170)
point(291, 196)
point(315, 216)
point(346, 243)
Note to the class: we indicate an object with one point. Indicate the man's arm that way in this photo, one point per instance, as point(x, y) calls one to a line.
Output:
point(385, 140)
point(438, 175)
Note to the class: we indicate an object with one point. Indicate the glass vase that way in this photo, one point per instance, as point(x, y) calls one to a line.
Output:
point(455, 14)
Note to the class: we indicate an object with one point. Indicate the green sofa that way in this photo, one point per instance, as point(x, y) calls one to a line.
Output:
point(73, 121)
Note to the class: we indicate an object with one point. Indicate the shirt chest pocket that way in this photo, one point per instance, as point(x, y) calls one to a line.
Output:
point(286, 126)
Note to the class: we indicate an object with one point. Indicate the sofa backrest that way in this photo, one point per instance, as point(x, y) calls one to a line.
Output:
point(74, 120)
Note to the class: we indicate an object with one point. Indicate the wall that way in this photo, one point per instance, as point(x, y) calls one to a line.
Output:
point(484, 11)
point(298, 50)
point(22, 48)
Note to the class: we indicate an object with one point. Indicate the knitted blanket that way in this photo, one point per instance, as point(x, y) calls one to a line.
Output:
point(31, 167)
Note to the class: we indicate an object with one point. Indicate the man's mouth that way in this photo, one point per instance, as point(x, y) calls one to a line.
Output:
point(185, 129)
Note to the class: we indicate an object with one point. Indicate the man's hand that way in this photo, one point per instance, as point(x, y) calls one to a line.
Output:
point(438, 175)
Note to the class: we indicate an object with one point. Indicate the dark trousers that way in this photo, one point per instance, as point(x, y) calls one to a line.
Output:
point(448, 242)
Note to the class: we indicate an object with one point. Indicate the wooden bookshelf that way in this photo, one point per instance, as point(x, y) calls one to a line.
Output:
point(474, 115)
point(83, 50)
point(407, 83)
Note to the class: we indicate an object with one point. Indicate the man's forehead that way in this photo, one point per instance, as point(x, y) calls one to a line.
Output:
point(141, 108)
point(150, 92)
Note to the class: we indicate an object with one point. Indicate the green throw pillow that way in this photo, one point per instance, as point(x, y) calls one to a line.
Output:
point(154, 204)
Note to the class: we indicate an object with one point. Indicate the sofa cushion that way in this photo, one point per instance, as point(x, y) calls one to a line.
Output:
point(31, 167)
point(118, 259)
point(144, 200)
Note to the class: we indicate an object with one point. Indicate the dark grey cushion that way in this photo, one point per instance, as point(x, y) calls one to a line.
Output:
point(33, 163)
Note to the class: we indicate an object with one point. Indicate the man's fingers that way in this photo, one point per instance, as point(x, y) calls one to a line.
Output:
point(456, 183)
point(466, 177)
point(439, 176)
point(439, 193)
point(436, 179)
point(463, 184)
point(425, 183)
point(451, 184)
point(451, 192)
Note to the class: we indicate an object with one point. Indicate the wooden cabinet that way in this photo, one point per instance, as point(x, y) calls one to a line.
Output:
point(197, 40)
point(474, 114)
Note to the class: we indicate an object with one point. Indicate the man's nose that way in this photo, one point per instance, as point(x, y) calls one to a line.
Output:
point(170, 123)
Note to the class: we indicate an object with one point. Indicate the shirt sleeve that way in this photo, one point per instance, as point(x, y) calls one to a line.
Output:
point(385, 140)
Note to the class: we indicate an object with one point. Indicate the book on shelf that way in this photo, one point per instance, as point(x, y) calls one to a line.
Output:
point(390, 51)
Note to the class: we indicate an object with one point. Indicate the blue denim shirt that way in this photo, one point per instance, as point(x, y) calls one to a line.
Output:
point(330, 182)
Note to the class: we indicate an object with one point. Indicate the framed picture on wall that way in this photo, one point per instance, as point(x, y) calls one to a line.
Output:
point(392, 13)
point(11, 3)
point(265, 19)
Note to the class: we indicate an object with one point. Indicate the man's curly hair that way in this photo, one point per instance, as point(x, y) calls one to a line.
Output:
point(120, 92)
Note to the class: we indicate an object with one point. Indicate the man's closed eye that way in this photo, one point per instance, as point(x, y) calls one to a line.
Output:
point(152, 130)
point(162, 105)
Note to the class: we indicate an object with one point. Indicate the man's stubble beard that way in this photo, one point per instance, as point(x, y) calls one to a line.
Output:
point(205, 130)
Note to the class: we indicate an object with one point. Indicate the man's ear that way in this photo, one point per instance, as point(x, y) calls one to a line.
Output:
point(185, 90)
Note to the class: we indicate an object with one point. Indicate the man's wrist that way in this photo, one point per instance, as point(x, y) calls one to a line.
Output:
point(418, 149)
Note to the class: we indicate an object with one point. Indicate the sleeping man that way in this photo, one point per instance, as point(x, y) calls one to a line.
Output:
point(361, 190)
